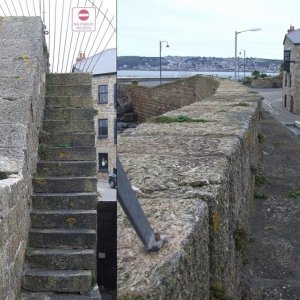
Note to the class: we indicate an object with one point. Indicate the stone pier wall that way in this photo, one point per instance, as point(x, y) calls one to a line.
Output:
point(23, 64)
point(195, 182)
point(149, 102)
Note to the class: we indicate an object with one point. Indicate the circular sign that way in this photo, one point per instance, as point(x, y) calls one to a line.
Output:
point(83, 15)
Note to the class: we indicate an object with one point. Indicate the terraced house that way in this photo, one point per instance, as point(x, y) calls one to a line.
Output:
point(103, 68)
point(291, 70)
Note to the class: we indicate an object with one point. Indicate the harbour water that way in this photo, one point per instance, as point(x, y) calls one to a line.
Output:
point(179, 74)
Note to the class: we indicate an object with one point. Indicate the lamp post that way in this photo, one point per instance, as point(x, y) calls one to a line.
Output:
point(235, 46)
point(244, 63)
point(160, 46)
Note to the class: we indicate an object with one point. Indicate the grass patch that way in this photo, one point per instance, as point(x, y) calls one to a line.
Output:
point(260, 195)
point(42, 149)
point(218, 292)
point(241, 104)
point(294, 193)
point(222, 110)
point(260, 180)
point(64, 145)
point(177, 119)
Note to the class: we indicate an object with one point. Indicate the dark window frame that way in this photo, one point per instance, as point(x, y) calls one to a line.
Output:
point(102, 130)
point(103, 158)
point(286, 60)
point(103, 94)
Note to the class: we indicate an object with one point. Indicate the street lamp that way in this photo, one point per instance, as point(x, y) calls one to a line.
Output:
point(235, 47)
point(160, 46)
point(244, 61)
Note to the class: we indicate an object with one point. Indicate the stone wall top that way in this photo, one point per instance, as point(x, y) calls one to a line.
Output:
point(194, 182)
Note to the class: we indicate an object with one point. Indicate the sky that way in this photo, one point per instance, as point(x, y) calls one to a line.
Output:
point(205, 28)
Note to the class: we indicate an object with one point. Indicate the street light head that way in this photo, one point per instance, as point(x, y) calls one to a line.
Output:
point(255, 29)
point(168, 46)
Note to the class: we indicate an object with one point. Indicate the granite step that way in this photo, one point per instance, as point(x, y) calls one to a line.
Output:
point(68, 201)
point(45, 219)
point(61, 259)
point(67, 153)
point(68, 102)
point(69, 126)
point(66, 168)
point(64, 281)
point(65, 138)
point(62, 238)
point(64, 184)
point(82, 90)
point(68, 79)
point(68, 114)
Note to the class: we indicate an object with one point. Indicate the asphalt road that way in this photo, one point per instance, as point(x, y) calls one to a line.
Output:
point(273, 103)
point(106, 192)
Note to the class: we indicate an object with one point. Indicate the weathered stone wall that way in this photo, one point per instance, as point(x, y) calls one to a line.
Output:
point(267, 82)
point(149, 102)
point(195, 182)
point(23, 64)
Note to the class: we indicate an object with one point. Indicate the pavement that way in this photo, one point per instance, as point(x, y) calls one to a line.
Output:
point(272, 103)
point(106, 192)
point(273, 271)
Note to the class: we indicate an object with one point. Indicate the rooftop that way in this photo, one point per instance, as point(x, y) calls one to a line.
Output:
point(101, 63)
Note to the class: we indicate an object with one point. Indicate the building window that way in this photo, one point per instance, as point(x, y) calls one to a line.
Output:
point(103, 162)
point(102, 128)
point(115, 96)
point(115, 131)
point(102, 94)
point(285, 80)
point(284, 100)
point(287, 60)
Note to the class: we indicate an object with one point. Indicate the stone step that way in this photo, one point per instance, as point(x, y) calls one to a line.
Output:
point(45, 219)
point(68, 79)
point(73, 114)
point(61, 259)
point(62, 238)
point(69, 90)
point(66, 138)
point(68, 201)
point(64, 184)
point(66, 168)
point(69, 126)
point(64, 281)
point(68, 153)
point(68, 101)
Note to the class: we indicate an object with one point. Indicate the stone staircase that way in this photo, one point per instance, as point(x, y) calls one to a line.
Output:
point(61, 252)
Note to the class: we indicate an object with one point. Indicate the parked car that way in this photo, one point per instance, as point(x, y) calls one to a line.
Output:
point(112, 178)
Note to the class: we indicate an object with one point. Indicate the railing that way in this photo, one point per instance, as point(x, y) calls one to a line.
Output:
point(128, 200)
point(65, 45)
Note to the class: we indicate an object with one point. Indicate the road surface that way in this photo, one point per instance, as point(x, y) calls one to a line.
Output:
point(273, 103)
point(106, 192)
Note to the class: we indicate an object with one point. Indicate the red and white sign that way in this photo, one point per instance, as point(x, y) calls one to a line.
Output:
point(84, 19)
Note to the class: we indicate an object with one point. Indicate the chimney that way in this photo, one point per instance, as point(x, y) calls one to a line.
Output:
point(291, 29)
point(80, 57)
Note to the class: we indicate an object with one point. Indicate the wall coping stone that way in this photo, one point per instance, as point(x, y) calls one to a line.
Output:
point(180, 172)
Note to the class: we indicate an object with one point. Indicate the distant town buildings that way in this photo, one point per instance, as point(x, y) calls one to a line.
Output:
point(103, 67)
point(198, 63)
point(291, 71)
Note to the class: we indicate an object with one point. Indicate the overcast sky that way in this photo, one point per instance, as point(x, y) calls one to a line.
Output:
point(205, 28)
point(63, 44)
